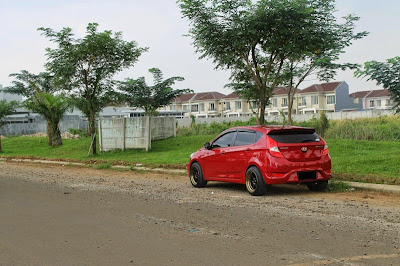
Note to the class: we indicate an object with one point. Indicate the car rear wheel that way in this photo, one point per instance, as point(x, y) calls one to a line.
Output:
point(196, 176)
point(318, 185)
point(255, 183)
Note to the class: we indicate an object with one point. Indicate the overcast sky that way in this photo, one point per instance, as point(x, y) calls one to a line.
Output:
point(157, 24)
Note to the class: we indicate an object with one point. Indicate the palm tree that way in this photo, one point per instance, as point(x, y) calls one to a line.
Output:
point(41, 99)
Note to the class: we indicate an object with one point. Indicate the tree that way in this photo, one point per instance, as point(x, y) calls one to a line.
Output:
point(386, 74)
point(41, 98)
point(150, 98)
point(255, 40)
point(5, 110)
point(86, 67)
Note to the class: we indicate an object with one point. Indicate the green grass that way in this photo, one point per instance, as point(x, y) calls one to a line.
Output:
point(173, 152)
point(361, 160)
point(356, 160)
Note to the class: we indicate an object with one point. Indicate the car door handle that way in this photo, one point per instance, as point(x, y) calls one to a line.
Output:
point(222, 152)
point(248, 149)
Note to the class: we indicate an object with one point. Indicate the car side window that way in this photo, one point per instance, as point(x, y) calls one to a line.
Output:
point(224, 141)
point(245, 138)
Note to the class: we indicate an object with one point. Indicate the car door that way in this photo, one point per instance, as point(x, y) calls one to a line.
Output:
point(214, 161)
point(240, 153)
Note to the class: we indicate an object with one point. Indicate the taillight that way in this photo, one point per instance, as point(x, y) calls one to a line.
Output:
point(273, 148)
point(326, 150)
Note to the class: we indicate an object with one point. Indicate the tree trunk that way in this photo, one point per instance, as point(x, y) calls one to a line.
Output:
point(262, 107)
point(0, 143)
point(92, 130)
point(49, 133)
point(56, 139)
point(290, 108)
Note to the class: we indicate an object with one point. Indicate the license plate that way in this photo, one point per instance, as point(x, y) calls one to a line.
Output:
point(309, 175)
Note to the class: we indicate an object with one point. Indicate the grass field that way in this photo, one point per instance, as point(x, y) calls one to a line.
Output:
point(370, 161)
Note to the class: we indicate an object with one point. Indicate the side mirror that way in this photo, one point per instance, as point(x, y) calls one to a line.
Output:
point(207, 146)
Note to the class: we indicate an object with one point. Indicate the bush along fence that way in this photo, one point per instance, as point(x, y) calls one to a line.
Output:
point(134, 132)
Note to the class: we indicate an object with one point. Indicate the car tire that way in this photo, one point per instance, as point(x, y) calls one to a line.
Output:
point(255, 183)
point(196, 176)
point(318, 185)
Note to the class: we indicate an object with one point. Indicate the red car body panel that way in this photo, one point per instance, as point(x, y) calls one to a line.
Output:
point(229, 164)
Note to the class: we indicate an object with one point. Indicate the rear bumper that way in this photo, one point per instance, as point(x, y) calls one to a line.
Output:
point(292, 176)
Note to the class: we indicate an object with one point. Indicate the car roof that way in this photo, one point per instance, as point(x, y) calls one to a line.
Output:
point(269, 128)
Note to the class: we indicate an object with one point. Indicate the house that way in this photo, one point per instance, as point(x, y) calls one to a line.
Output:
point(202, 104)
point(278, 102)
point(235, 106)
point(330, 97)
point(373, 99)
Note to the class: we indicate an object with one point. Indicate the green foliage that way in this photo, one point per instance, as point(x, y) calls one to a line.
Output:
point(86, 66)
point(78, 132)
point(386, 74)
point(254, 39)
point(6, 109)
point(320, 124)
point(338, 186)
point(213, 128)
point(386, 128)
point(137, 93)
point(103, 166)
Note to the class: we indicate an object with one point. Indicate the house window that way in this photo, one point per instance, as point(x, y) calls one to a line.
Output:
point(330, 99)
point(238, 105)
point(303, 101)
point(371, 103)
point(202, 107)
point(254, 105)
point(388, 102)
point(314, 99)
point(173, 107)
point(284, 102)
point(212, 107)
point(186, 107)
point(378, 103)
point(274, 102)
point(228, 105)
point(195, 108)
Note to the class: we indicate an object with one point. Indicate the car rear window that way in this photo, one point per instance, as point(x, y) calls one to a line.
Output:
point(292, 136)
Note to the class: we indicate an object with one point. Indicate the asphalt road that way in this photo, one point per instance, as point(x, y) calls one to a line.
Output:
point(55, 215)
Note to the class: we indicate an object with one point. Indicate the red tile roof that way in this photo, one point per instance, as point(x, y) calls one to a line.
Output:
point(279, 91)
point(203, 96)
point(324, 87)
point(370, 94)
point(378, 93)
point(359, 94)
point(184, 98)
point(233, 95)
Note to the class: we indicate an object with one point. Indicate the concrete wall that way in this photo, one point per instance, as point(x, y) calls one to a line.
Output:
point(298, 117)
point(40, 125)
point(134, 132)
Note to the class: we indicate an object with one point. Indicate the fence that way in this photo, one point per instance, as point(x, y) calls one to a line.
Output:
point(134, 132)
point(185, 122)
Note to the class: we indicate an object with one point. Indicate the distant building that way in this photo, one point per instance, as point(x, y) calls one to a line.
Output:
point(373, 99)
point(8, 96)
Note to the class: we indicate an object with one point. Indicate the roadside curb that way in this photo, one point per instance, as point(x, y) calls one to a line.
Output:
point(63, 163)
point(393, 189)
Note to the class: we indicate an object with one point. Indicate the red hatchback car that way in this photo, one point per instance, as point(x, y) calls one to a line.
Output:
point(263, 155)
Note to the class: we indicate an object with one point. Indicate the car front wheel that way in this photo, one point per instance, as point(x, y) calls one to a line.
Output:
point(196, 176)
point(255, 183)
